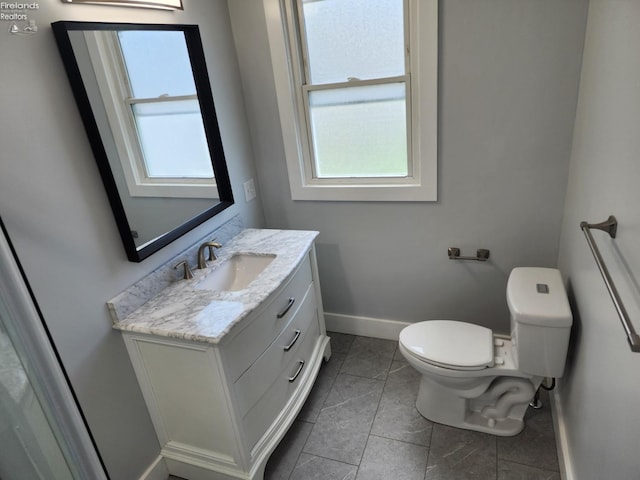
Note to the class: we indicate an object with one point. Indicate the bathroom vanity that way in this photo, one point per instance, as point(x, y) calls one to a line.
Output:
point(226, 359)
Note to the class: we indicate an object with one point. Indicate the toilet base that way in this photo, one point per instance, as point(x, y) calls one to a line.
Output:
point(499, 409)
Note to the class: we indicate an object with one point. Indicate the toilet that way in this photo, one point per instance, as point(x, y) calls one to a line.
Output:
point(477, 380)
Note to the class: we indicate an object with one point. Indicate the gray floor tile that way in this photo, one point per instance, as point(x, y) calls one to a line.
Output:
point(535, 445)
point(341, 430)
point(386, 459)
point(284, 458)
point(367, 419)
point(457, 454)
point(369, 357)
point(320, 390)
point(516, 471)
point(397, 356)
point(397, 417)
point(310, 467)
point(341, 342)
point(403, 373)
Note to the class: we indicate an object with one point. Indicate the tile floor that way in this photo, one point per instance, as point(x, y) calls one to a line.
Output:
point(360, 423)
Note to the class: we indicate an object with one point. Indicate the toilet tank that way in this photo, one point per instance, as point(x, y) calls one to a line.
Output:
point(540, 320)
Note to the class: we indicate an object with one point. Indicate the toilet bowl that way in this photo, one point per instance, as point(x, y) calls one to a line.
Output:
point(478, 380)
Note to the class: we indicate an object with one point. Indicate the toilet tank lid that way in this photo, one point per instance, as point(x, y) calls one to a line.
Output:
point(537, 296)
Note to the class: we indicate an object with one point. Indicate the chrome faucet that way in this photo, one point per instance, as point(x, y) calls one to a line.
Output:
point(212, 256)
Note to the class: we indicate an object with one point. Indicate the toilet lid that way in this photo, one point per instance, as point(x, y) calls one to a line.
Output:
point(450, 344)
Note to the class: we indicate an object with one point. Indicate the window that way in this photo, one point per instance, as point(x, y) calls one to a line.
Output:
point(151, 104)
point(357, 85)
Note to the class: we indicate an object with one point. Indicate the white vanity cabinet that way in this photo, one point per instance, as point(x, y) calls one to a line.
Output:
point(220, 409)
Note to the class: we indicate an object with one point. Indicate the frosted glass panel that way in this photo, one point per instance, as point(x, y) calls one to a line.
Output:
point(360, 131)
point(173, 139)
point(29, 448)
point(157, 63)
point(354, 38)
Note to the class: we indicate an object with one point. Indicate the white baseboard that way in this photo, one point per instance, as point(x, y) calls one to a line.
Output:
point(156, 471)
point(562, 442)
point(364, 326)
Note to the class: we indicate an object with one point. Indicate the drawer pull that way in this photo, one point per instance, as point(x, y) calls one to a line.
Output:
point(293, 340)
point(286, 309)
point(295, 375)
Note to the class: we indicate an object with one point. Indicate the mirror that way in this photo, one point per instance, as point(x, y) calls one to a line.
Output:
point(144, 96)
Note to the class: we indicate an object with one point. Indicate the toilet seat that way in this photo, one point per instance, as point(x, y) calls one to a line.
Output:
point(449, 344)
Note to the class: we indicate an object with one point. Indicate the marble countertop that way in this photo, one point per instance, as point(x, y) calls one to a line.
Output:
point(182, 311)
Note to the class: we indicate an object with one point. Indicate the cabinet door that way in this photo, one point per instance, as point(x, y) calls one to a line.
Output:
point(185, 391)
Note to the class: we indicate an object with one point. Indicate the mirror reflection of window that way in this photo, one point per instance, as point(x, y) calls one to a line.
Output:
point(164, 104)
point(157, 63)
point(157, 73)
point(147, 86)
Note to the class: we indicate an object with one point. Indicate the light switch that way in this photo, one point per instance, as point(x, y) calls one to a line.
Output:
point(249, 190)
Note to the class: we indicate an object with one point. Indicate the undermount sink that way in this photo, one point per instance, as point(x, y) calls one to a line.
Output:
point(236, 273)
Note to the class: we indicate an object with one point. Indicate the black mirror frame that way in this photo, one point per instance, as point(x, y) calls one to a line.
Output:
point(207, 107)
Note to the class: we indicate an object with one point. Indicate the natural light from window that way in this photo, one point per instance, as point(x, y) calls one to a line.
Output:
point(356, 83)
point(359, 125)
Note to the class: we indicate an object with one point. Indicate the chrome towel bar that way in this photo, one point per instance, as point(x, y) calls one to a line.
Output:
point(611, 227)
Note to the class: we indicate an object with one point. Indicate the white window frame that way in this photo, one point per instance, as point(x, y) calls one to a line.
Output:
point(422, 93)
point(115, 92)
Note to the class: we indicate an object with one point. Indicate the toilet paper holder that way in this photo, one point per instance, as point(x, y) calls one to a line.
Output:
point(482, 254)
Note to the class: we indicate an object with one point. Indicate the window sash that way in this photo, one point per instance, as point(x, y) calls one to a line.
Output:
point(142, 161)
point(313, 162)
point(303, 76)
point(303, 48)
point(109, 65)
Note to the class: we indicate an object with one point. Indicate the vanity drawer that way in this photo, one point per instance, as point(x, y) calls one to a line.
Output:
point(256, 337)
point(257, 380)
point(266, 410)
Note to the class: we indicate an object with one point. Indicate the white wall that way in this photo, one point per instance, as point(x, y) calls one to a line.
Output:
point(57, 214)
point(600, 392)
point(508, 88)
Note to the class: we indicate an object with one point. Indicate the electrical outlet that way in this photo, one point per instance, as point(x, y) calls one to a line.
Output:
point(249, 190)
